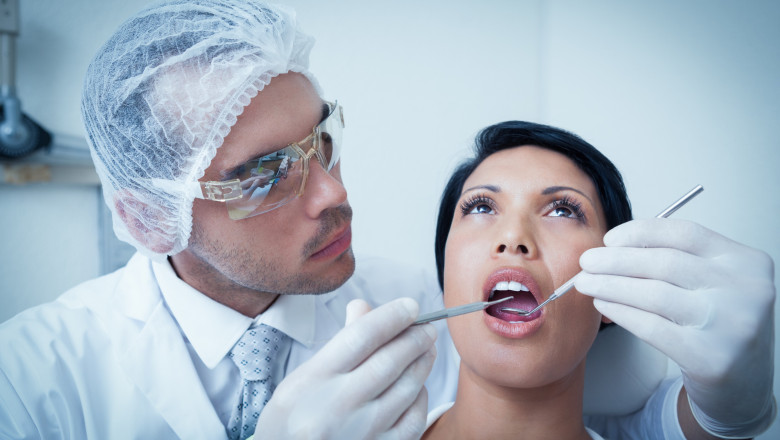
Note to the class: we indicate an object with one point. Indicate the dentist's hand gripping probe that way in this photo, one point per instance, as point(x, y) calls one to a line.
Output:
point(568, 285)
point(455, 311)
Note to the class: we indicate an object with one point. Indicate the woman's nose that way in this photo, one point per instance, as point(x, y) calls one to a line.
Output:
point(516, 238)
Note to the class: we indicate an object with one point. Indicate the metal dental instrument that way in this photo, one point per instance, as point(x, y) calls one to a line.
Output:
point(455, 311)
point(568, 285)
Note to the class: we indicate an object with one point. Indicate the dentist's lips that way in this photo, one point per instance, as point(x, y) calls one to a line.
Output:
point(336, 246)
point(516, 284)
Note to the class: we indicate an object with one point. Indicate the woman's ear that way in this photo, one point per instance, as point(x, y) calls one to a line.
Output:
point(140, 219)
point(605, 320)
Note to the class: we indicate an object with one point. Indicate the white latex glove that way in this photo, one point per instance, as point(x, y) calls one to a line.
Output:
point(367, 382)
point(705, 301)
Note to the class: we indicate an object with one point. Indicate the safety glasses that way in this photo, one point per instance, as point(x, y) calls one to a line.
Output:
point(271, 181)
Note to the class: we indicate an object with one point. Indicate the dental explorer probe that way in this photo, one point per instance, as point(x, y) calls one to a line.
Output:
point(455, 311)
point(568, 285)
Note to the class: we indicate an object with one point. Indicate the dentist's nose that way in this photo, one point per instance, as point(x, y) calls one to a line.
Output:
point(324, 189)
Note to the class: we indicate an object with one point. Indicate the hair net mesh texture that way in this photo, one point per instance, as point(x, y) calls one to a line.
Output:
point(161, 95)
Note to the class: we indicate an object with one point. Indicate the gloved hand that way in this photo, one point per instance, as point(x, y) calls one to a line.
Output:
point(705, 301)
point(367, 382)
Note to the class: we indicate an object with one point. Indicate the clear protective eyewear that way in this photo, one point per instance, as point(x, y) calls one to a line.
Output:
point(268, 182)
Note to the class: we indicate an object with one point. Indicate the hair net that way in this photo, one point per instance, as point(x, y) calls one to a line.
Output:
point(161, 95)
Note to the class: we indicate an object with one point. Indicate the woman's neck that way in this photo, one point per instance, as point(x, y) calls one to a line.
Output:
point(484, 409)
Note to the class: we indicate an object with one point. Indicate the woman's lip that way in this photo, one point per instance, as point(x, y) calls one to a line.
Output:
point(335, 247)
point(514, 326)
point(516, 274)
point(513, 330)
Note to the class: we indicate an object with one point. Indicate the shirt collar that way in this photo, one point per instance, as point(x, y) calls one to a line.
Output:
point(213, 328)
point(294, 315)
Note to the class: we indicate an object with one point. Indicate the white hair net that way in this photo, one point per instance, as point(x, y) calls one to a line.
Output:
point(161, 95)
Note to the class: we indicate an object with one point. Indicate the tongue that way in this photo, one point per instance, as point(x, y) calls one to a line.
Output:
point(520, 300)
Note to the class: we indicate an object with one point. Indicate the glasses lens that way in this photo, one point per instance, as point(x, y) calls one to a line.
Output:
point(329, 138)
point(272, 180)
point(266, 183)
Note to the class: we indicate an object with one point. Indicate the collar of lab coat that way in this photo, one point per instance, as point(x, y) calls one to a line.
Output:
point(211, 328)
point(154, 356)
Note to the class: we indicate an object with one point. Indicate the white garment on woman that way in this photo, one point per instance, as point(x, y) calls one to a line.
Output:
point(439, 411)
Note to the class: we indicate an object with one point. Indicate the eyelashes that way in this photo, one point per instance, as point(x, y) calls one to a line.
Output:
point(564, 206)
point(567, 203)
point(467, 206)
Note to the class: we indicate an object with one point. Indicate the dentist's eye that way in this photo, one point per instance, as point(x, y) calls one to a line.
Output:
point(478, 204)
point(567, 207)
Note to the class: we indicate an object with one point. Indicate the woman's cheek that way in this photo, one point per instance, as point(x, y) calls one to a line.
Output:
point(453, 273)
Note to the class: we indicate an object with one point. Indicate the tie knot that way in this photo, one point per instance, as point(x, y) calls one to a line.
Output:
point(255, 351)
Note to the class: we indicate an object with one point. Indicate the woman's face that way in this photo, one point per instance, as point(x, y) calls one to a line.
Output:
point(524, 217)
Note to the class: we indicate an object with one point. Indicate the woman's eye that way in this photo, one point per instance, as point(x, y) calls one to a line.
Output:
point(477, 205)
point(562, 212)
point(566, 208)
point(481, 209)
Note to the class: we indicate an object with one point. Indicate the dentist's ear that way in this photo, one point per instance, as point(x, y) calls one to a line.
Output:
point(142, 221)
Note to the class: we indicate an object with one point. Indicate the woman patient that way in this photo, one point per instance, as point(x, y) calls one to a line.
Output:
point(514, 221)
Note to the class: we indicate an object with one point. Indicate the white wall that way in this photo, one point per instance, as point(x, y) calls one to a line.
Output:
point(675, 93)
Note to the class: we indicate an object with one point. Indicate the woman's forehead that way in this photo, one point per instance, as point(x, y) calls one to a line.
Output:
point(530, 166)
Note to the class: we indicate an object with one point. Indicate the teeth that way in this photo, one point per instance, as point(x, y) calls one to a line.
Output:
point(517, 287)
point(513, 286)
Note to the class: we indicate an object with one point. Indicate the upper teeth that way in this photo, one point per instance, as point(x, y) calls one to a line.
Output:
point(511, 285)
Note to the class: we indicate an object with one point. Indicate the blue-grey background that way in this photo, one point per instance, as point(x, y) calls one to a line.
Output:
point(675, 93)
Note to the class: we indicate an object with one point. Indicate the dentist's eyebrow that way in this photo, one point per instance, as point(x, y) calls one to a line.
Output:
point(491, 188)
point(555, 189)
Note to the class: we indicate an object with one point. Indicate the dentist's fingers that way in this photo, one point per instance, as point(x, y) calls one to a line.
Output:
point(355, 309)
point(678, 305)
point(668, 233)
point(690, 238)
point(670, 265)
point(367, 378)
point(356, 342)
point(399, 400)
point(412, 423)
point(657, 331)
point(387, 366)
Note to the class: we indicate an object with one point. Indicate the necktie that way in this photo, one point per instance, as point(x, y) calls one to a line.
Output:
point(255, 354)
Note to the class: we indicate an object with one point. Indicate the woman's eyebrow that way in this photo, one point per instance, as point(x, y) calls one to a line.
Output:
point(555, 189)
point(491, 188)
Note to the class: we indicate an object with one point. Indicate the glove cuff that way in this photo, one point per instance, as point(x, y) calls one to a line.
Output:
point(749, 429)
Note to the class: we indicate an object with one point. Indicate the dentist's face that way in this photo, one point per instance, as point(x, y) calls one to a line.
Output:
point(524, 217)
point(302, 247)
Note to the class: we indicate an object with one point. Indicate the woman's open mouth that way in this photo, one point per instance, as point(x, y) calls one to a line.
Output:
point(514, 284)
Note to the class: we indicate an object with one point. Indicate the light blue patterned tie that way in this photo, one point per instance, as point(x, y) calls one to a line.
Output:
point(255, 354)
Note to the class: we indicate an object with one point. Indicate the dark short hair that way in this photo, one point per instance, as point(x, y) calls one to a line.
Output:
point(510, 134)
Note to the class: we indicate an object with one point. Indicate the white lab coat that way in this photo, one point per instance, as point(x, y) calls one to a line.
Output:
point(107, 360)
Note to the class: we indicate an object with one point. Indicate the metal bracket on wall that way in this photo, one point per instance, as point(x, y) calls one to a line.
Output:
point(66, 162)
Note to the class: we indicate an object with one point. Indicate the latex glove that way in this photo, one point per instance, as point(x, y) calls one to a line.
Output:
point(705, 301)
point(367, 382)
